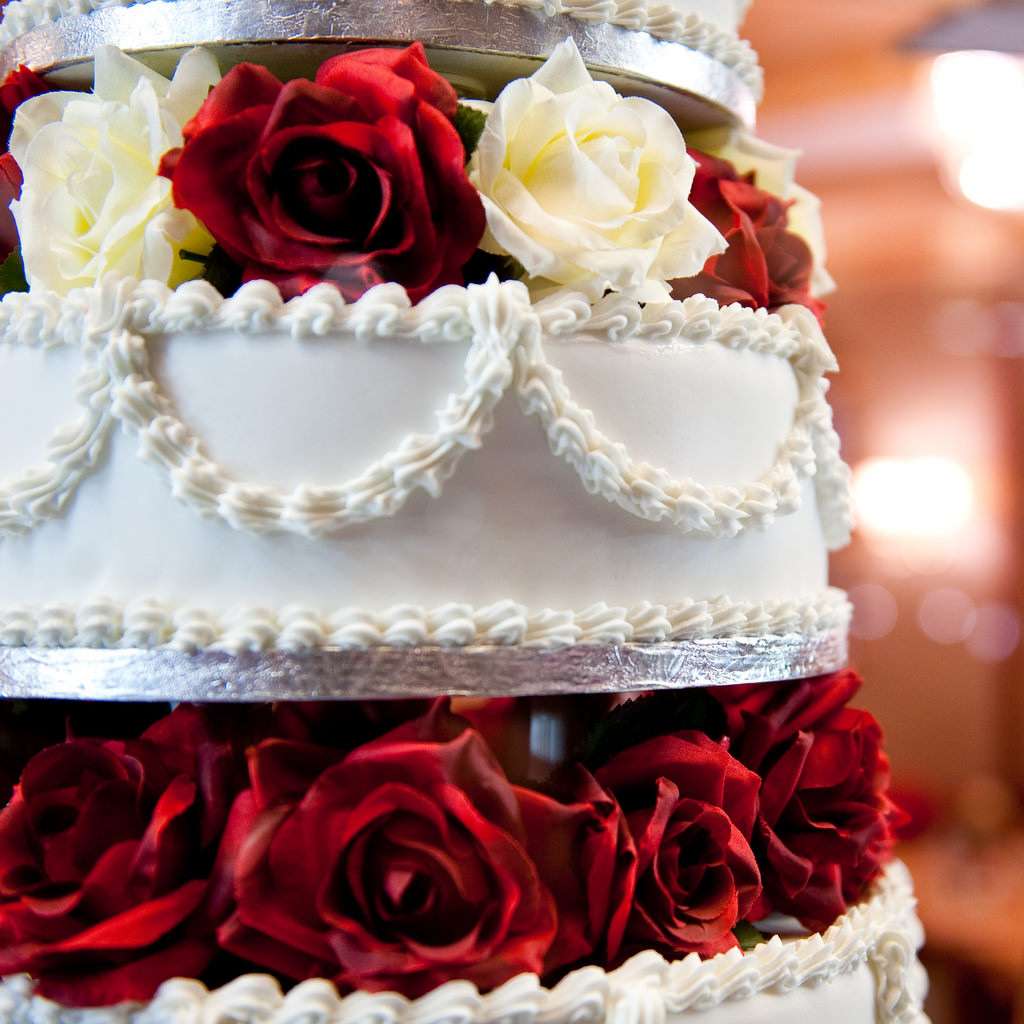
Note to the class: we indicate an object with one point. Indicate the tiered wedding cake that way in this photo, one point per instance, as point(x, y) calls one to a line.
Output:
point(464, 354)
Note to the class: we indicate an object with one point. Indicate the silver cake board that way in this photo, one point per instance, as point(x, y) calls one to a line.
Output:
point(163, 674)
point(480, 46)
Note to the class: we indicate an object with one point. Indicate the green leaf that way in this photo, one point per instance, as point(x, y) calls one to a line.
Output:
point(748, 936)
point(12, 274)
point(644, 718)
point(469, 123)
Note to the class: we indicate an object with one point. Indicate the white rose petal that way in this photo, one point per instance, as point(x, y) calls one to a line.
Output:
point(589, 189)
point(92, 202)
point(774, 169)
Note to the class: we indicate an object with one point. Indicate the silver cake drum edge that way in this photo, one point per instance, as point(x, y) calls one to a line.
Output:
point(481, 44)
point(382, 672)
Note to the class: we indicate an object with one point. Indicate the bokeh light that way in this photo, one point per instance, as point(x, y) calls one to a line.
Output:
point(930, 497)
point(875, 611)
point(947, 615)
point(996, 632)
point(982, 155)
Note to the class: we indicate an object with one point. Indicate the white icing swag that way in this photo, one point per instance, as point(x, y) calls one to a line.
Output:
point(504, 336)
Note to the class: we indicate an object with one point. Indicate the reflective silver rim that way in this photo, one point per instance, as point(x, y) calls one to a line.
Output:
point(331, 674)
point(481, 44)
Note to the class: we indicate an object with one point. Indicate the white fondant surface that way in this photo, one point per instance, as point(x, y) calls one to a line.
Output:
point(679, 455)
point(37, 396)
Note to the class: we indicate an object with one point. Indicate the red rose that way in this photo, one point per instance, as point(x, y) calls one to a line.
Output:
point(397, 868)
point(765, 265)
point(691, 809)
point(344, 724)
point(586, 857)
point(576, 833)
point(826, 822)
point(108, 883)
point(20, 85)
point(357, 178)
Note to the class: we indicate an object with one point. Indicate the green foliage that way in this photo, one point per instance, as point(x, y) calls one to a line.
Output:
point(12, 274)
point(644, 718)
point(748, 936)
point(469, 123)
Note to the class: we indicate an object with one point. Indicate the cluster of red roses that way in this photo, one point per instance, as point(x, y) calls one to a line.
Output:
point(358, 178)
point(394, 845)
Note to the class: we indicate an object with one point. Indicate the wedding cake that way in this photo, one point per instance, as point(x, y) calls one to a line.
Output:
point(416, 433)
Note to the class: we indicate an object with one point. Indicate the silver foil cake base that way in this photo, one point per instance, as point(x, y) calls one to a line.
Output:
point(381, 672)
point(479, 46)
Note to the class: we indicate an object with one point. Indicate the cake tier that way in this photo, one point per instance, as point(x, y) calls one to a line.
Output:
point(245, 473)
point(686, 54)
point(862, 970)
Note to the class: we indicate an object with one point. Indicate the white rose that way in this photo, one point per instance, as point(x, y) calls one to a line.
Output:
point(774, 169)
point(586, 188)
point(92, 202)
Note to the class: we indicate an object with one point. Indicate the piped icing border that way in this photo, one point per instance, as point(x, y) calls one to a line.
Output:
point(663, 20)
point(150, 624)
point(608, 468)
point(882, 932)
point(660, 19)
point(504, 336)
point(42, 491)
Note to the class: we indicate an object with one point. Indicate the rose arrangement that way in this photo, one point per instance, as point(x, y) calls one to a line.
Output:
point(397, 846)
point(372, 171)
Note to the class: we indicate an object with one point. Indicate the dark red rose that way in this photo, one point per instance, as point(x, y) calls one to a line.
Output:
point(585, 856)
point(109, 882)
point(343, 724)
point(765, 266)
point(397, 868)
point(357, 178)
point(18, 86)
point(826, 822)
point(691, 809)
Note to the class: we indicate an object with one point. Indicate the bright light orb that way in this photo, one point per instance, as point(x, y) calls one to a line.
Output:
point(930, 497)
point(982, 149)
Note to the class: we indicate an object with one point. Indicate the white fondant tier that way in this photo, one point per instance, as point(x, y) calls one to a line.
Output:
point(708, 27)
point(379, 473)
point(862, 970)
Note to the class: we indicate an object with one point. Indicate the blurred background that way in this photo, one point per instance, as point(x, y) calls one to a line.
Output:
point(918, 155)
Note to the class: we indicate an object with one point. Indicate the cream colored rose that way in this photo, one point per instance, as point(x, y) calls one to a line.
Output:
point(589, 189)
point(774, 169)
point(92, 202)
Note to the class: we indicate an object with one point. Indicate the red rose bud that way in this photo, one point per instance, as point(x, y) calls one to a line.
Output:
point(765, 265)
point(109, 879)
point(825, 826)
point(585, 855)
point(20, 85)
point(357, 178)
point(691, 809)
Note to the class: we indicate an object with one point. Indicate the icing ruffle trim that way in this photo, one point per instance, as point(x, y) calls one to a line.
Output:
point(883, 932)
point(663, 20)
point(149, 624)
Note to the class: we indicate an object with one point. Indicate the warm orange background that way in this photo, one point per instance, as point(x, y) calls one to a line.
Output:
point(928, 325)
